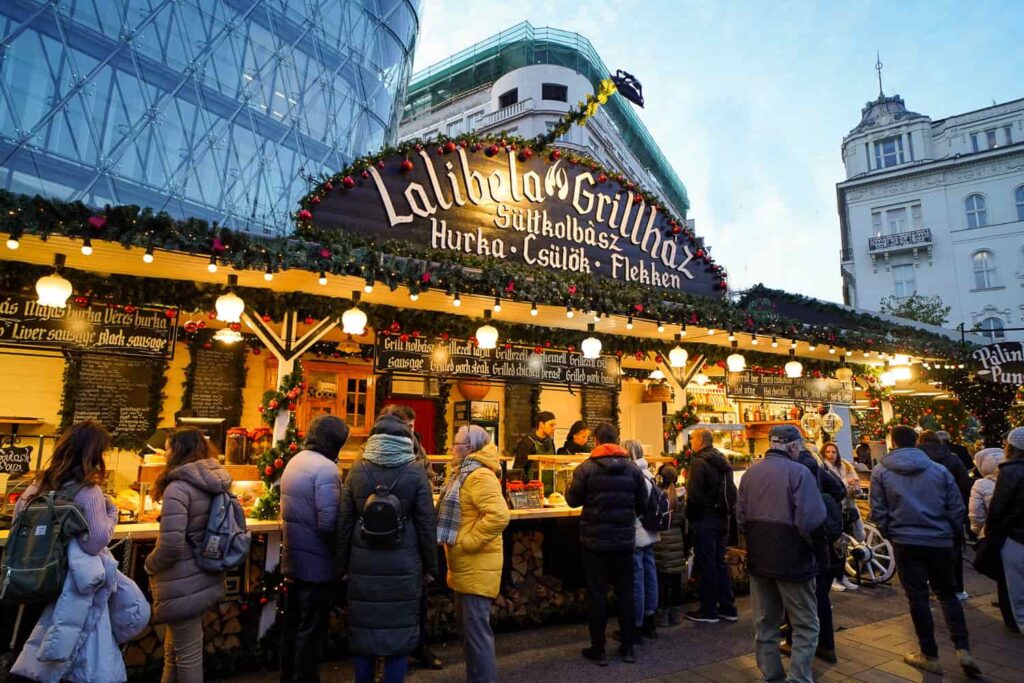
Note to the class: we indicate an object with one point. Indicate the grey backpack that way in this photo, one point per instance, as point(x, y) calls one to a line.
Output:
point(225, 542)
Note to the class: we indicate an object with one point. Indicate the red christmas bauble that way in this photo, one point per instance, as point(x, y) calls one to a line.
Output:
point(328, 186)
point(273, 404)
point(309, 320)
point(235, 327)
point(268, 470)
point(445, 336)
point(348, 182)
point(314, 200)
point(364, 175)
point(601, 179)
point(555, 155)
point(538, 349)
point(305, 215)
point(171, 313)
point(278, 463)
point(207, 345)
point(293, 447)
point(191, 327)
point(257, 351)
point(405, 166)
point(449, 147)
point(492, 150)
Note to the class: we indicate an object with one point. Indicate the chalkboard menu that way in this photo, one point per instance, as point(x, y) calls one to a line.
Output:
point(95, 326)
point(598, 407)
point(518, 414)
point(216, 388)
point(116, 391)
point(15, 460)
point(516, 364)
point(788, 389)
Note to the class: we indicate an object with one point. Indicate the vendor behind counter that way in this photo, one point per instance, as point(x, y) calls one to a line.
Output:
point(541, 442)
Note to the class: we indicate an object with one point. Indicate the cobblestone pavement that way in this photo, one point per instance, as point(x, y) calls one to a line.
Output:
point(873, 632)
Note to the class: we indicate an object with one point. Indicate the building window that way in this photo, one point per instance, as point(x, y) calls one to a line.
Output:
point(984, 265)
point(889, 152)
point(507, 99)
point(1009, 134)
point(894, 221)
point(456, 128)
point(992, 328)
point(977, 216)
point(903, 283)
point(1018, 197)
point(555, 92)
point(974, 143)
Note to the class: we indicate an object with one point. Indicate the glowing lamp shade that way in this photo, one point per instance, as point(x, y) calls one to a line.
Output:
point(228, 336)
point(902, 372)
point(229, 308)
point(657, 375)
point(591, 346)
point(677, 357)
point(701, 379)
point(53, 290)
point(844, 373)
point(353, 321)
point(736, 362)
point(794, 369)
point(886, 379)
point(487, 336)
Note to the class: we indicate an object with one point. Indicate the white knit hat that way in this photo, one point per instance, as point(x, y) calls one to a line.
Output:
point(1016, 438)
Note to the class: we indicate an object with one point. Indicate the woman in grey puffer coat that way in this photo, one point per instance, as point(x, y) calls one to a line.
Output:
point(181, 590)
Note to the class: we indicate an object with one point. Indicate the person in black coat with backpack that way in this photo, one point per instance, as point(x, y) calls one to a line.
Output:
point(384, 549)
point(710, 497)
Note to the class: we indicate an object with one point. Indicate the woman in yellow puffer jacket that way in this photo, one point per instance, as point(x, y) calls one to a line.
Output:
point(471, 517)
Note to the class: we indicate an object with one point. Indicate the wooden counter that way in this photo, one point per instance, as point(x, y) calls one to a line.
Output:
point(543, 513)
point(147, 531)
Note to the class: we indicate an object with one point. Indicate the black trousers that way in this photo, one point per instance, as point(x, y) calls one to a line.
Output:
point(307, 607)
point(958, 564)
point(599, 568)
point(670, 590)
point(713, 581)
point(920, 567)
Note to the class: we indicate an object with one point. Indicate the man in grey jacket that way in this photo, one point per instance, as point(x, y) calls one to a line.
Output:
point(310, 494)
point(778, 510)
point(916, 504)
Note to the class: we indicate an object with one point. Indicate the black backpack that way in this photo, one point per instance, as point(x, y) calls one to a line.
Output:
point(35, 558)
point(657, 515)
point(383, 518)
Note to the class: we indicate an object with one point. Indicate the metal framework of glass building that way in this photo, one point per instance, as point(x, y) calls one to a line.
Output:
point(218, 109)
point(523, 45)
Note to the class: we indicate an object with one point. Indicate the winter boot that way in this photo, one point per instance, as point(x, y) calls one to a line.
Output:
point(647, 630)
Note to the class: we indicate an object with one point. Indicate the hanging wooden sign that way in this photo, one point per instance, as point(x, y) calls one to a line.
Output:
point(1002, 362)
point(758, 387)
point(535, 209)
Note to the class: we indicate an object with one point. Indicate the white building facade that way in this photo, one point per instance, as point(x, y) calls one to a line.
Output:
point(937, 208)
point(522, 81)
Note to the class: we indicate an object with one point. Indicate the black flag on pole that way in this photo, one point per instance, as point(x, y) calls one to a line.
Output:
point(629, 87)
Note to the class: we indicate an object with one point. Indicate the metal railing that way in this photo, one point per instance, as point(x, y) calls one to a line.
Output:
point(902, 240)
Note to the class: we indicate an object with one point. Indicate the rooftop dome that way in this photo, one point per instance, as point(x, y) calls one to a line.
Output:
point(883, 112)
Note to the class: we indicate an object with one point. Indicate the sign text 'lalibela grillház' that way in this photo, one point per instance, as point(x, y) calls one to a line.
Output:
point(549, 214)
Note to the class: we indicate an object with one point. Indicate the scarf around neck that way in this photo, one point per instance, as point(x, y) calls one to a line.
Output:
point(387, 450)
point(449, 505)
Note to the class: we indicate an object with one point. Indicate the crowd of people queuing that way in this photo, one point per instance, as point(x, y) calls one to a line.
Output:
point(376, 533)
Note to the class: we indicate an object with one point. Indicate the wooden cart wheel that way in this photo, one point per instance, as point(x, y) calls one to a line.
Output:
point(880, 563)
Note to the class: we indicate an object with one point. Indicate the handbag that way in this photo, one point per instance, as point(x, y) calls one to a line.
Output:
point(988, 558)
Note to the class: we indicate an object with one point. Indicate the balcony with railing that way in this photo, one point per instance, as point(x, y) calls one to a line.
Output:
point(506, 113)
point(916, 241)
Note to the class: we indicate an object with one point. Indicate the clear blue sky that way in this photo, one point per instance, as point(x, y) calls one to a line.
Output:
point(750, 100)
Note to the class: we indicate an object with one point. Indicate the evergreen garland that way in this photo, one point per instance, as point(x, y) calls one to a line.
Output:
point(444, 390)
point(273, 460)
point(680, 420)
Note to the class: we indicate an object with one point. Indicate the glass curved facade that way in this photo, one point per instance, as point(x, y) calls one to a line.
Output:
point(219, 109)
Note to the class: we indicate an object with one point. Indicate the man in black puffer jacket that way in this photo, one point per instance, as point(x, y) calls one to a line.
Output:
point(710, 494)
point(613, 493)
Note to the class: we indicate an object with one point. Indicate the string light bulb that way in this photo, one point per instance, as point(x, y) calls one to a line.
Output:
point(731, 337)
point(629, 322)
point(569, 313)
point(775, 343)
point(533, 309)
point(794, 368)
point(269, 274)
point(368, 288)
point(812, 346)
point(456, 300)
point(831, 350)
point(413, 296)
point(753, 340)
point(322, 279)
point(682, 330)
point(12, 242)
point(661, 326)
point(146, 258)
point(736, 362)
point(497, 304)
point(212, 266)
point(677, 357)
point(229, 305)
point(87, 246)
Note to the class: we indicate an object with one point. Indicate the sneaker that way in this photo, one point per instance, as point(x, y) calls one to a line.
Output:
point(701, 617)
point(595, 656)
point(729, 614)
point(848, 585)
point(785, 649)
point(626, 654)
point(837, 587)
point(920, 661)
point(962, 595)
point(826, 655)
point(968, 664)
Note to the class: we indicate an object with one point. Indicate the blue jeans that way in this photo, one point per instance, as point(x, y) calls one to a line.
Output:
point(714, 584)
point(394, 668)
point(645, 583)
